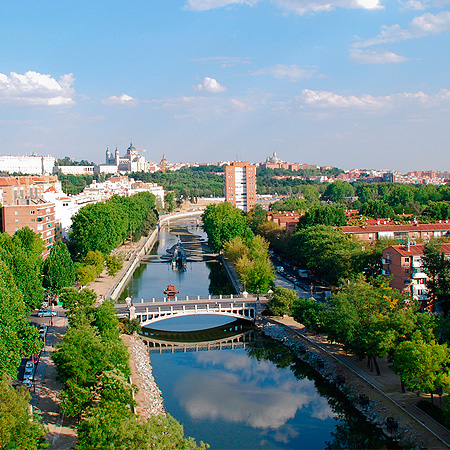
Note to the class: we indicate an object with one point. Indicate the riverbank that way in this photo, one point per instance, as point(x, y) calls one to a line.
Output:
point(376, 397)
point(148, 396)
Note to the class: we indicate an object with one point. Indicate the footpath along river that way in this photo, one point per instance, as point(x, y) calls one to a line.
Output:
point(257, 397)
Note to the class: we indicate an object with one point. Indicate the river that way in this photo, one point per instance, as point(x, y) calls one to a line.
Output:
point(255, 396)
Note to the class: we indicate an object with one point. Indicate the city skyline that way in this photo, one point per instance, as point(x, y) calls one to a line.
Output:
point(349, 83)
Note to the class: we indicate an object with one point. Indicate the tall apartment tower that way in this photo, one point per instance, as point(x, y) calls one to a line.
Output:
point(240, 185)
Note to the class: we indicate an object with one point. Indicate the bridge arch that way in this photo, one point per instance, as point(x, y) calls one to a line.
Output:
point(155, 310)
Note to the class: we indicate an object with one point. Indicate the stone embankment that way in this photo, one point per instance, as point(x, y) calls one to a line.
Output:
point(148, 397)
point(375, 406)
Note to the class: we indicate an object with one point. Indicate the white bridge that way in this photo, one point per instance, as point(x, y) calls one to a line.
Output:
point(154, 310)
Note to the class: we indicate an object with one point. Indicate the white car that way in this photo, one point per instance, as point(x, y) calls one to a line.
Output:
point(28, 374)
point(46, 313)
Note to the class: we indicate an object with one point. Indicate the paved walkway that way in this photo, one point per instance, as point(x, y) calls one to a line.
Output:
point(384, 389)
point(45, 396)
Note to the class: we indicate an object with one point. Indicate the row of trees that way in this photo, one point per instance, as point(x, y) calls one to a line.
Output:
point(227, 228)
point(104, 226)
point(373, 320)
point(94, 365)
point(21, 291)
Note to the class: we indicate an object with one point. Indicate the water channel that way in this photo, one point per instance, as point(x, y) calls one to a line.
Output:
point(253, 395)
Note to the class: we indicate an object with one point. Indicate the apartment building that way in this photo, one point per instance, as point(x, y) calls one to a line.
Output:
point(404, 263)
point(15, 188)
point(36, 214)
point(240, 185)
point(413, 231)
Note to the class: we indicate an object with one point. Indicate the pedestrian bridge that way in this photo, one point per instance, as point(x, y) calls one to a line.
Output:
point(149, 311)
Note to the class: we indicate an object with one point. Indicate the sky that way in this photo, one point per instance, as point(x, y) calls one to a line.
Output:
point(346, 83)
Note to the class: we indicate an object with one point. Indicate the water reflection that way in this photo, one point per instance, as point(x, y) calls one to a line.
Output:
point(273, 398)
point(263, 395)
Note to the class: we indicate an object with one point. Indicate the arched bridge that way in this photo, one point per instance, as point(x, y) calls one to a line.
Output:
point(154, 310)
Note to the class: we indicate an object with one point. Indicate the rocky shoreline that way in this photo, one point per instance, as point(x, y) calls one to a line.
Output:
point(148, 396)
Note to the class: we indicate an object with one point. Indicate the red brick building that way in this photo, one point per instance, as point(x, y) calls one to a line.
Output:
point(33, 213)
point(404, 263)
point(286, 220)
point(240, 185)
point(422, 231)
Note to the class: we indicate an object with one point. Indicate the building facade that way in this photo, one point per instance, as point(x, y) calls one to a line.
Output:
point(240, 185)
point(14, 188)
point(405, 265)
point(28, 165)
point(37, 214)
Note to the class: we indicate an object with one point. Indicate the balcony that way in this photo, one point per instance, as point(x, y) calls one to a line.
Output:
point(418, 274)
point(385, 261)
point(417, 263)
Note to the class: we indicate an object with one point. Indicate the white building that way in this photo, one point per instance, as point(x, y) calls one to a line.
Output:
point(27, 165)
point(133, 161)
point(75, 170)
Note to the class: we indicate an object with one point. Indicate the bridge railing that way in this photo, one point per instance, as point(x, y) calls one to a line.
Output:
point(190, 298)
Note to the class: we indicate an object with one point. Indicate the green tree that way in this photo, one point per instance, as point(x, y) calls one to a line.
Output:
point(438, 271)
point(73, 298)
point(257, 274)
point(85, 274)
point(281, 301)
point(235, 248)
point(338, 191)
point(112, 426)
point(223, 222)
point(58, 268)
point(323, 215)
point(377, 209)
point(113, 265)
point(17, 337)
point(358, 317)
point(19, 429)
point(25, 268)
point(169, 200)
point(309, 312)
point(326, 252)
point(422, 365)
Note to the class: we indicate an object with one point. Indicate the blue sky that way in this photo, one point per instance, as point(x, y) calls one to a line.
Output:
point(348, 83)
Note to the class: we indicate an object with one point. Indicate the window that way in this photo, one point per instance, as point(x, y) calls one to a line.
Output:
point(406, 260)
point(16, 213)
point(32, 212)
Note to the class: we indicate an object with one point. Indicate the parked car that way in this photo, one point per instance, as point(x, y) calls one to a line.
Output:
point(46, 313)
point(27, 382)
point(29, 365)
point(28, 374)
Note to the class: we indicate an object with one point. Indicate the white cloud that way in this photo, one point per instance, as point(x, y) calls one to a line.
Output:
point(420, 5)
point(292, 72)
point(37, 89)
point(420, 26)
point(330, 100)
point(123, 100)
point(416, 5)
point(210, 85)
point(295, 6)
point(375, 57)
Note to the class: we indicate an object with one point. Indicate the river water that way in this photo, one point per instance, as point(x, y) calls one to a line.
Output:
point(256, 396)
